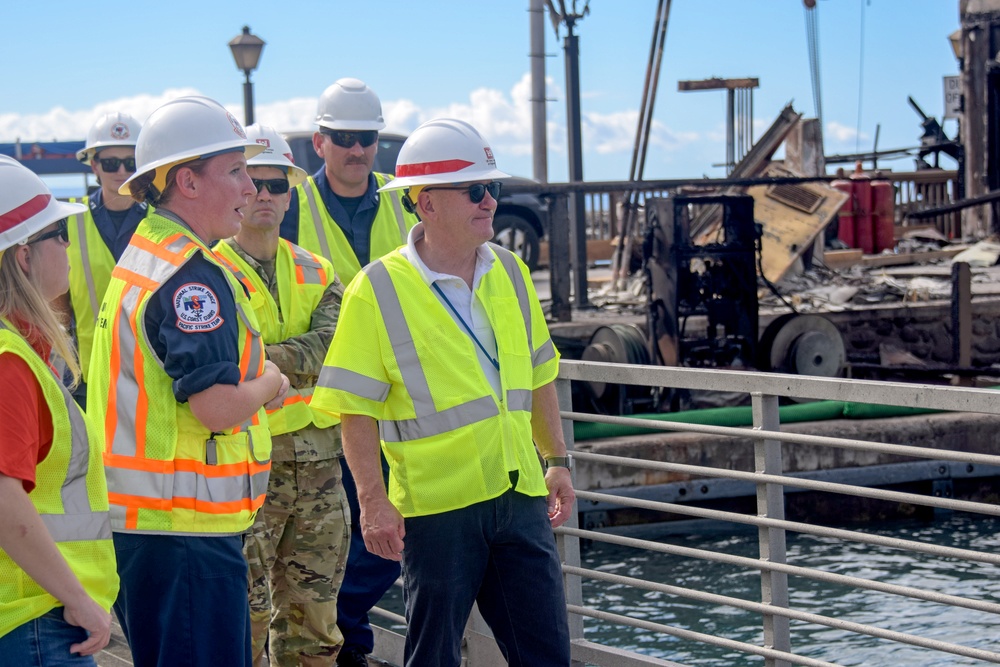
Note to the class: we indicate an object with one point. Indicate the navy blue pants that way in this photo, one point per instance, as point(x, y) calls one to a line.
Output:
point(366, 576)
point(44, 642)
point(500, 554)
point(183, 600)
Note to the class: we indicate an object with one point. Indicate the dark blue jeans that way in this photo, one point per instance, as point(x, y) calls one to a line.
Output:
point(183, 600)
point(500, 554)
point(44, 642)
point(366, 576)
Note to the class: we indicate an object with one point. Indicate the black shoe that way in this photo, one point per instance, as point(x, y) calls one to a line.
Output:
point(352, 656)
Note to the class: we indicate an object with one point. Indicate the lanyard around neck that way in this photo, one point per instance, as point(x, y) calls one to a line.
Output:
point(494, 361)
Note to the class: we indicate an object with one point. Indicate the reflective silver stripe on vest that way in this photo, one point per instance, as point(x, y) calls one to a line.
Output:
point(127, 386)
point(519, 399)
point(256, 344)
point(402, 342)
point(186, 484)
point(78, 521)
point(396, 197)
point(309, 190)
point(438, 423)
point(310, 267)
point(88, 272)
point(78, 527)
point(547, 352)
point(509, 264)
point(397, 208)
point(335, 377)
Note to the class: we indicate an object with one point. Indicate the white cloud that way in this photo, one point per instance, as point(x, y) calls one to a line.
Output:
point(61, 124)
point(839, 132)
point(504, 117)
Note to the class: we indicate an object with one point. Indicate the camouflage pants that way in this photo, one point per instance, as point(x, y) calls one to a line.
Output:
point(296, 553)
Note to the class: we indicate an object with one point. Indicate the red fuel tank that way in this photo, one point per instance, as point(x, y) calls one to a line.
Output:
point(845, 217)
point(883, 214)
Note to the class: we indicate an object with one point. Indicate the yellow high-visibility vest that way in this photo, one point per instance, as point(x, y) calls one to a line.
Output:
point(319, 233)
point(90, 266)
point(70, 496)
point(302, 279)
point(399, 357)
point(167, 473)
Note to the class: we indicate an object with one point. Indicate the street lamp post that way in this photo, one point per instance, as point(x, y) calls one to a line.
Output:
point(246, 50)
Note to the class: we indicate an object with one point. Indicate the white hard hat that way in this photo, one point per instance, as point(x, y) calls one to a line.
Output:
point(26, 205)
point(185, 129)
point(349, 104)
point(444, 150)
point(277, 152)
point(111, 129)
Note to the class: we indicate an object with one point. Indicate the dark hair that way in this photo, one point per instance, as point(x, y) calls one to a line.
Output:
point(142, 187)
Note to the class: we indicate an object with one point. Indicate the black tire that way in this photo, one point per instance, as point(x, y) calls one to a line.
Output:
point(519, 236)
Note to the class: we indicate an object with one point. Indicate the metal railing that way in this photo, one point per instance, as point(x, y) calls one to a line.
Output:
point(779, 620)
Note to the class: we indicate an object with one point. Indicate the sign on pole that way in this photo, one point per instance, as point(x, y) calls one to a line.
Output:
point(952, 97)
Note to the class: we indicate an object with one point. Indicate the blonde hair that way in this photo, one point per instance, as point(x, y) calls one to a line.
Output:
point(21, 299)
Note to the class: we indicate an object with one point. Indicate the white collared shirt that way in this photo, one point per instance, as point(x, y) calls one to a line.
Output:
point(461, 297)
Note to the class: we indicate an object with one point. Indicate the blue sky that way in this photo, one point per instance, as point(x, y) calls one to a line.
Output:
point(67, 62)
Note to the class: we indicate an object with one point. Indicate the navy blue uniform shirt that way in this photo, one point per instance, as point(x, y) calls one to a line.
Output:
point(195, 360)
point(357, 228)
point(116, 237)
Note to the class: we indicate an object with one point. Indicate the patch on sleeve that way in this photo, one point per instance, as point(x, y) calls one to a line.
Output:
point(197, 308)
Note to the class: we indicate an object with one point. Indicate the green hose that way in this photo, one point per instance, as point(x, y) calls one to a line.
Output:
point(743, 416)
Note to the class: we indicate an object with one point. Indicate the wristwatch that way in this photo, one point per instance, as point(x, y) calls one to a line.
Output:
point(558, 462)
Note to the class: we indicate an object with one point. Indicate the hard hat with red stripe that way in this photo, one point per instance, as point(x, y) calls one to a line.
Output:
point(444, 150)
point(26, 205)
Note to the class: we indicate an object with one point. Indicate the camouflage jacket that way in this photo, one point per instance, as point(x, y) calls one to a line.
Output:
point(301, 359)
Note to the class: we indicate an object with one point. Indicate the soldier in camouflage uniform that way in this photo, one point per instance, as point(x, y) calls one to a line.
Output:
point(298, 547)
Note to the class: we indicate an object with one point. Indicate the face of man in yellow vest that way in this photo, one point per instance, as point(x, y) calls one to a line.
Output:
point(449, 212)
point(347, 168)
point(265, 210)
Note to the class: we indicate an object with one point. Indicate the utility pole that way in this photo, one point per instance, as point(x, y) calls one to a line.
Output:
point(577, 212)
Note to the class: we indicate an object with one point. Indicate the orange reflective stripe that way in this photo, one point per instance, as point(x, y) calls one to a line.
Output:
point(134, 503)
point(142, 404)
point(134, 278)
point(132, 463)
point(242, 277)
point(157, 250)
point(131, 517)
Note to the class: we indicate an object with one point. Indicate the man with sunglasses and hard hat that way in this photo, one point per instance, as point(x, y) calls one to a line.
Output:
point(442, 353)
point(99, 235)
point(180, 387)
point(297, 549)
point(339, 213)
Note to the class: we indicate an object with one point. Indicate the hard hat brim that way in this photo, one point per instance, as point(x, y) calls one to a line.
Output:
point(445, 179)
point(250, 149)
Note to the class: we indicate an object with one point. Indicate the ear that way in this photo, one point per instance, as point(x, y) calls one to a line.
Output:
point(424, 205)
point(187, 182)
point(21, 254)
point(318, 143)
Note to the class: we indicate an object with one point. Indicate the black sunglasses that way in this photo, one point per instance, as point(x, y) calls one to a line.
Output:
point(276, 186)
point(347, 139)
point(477, 191)
point(111, 164)
point(61, 230)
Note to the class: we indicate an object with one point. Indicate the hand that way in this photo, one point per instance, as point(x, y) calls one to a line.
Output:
point(382, 527)
point(561, 495)
point(89, 615)
point(279, 398)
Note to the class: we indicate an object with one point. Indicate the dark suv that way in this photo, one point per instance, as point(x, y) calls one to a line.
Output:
point(521, 219)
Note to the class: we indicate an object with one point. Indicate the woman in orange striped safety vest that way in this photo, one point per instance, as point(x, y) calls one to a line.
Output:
point(180, 385)
point(57, 562)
